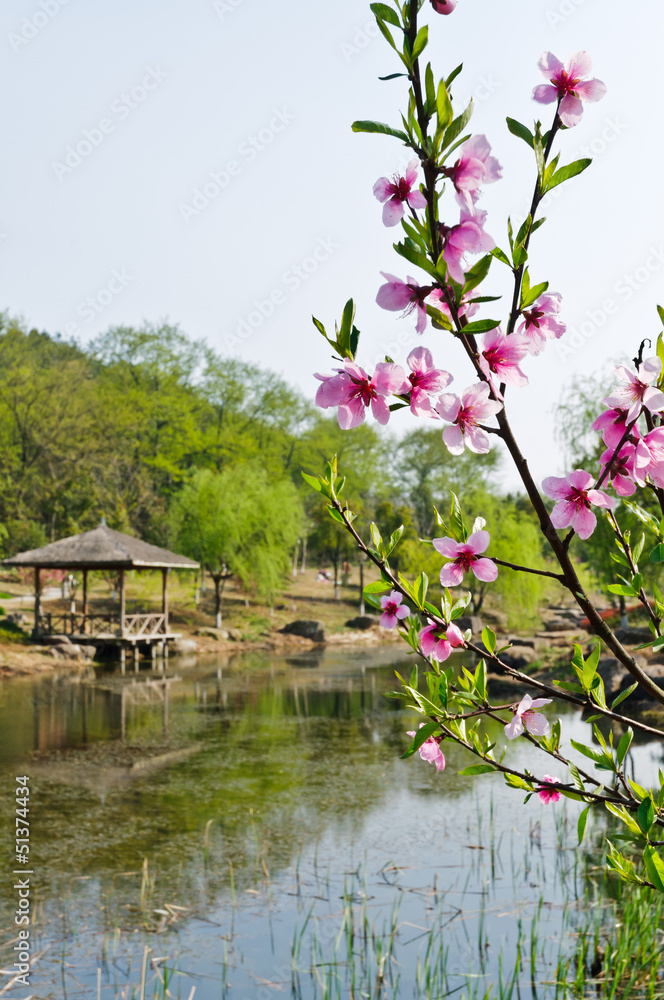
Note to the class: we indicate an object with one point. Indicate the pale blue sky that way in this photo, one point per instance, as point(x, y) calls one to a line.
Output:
point(262, 95)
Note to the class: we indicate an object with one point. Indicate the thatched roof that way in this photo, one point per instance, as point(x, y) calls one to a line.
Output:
point(101, 548)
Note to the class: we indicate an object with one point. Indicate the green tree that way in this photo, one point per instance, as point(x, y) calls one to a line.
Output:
point(238, 523)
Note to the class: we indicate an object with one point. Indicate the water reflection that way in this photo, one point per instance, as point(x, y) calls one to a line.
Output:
point(274, 783)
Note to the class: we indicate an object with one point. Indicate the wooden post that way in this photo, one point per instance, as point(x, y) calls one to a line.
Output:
point(153, 654)
point(35, 631)
point(164, 598)
point(122, 658)
point(85, 601)
point(122, 602)
point(135, 657)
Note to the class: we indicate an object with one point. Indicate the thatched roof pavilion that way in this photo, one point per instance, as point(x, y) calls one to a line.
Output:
point(104, 549)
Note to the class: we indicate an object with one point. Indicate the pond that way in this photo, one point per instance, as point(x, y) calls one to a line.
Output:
point(244, 827)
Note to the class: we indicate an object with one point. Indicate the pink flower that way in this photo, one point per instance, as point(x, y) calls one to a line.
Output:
point(549, 794)
point(397, 191)
point(465, 415)
point(408, 296)
point(621, 469)
point(466, 308)
point(437, 642)
point(575, 496)
point(393, 610)
point(474, 167)
point(443, 6)
point(637, 390)
point(649, 457)
point(541, 323)
point(501, 355)
point(353, 391)
point(465, 557)
point(567, 86)
point(524, 718)
point(613, 424)
point(430, 750)
point(467, 236)
point(424, 382)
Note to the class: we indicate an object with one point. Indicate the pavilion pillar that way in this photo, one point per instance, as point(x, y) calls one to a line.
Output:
point(84, 629)
point(164, 598)
point(35, 631)
point(122, 602)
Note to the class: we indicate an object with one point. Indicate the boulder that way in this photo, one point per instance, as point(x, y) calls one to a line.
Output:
point(220, 634)
point(362, 622)
point(634, 636)
point(181, 646)
point(519, 657)
point(518, 641)
point(55, 640)
point(306, 628)
point(557, 625)
point(473, 622)
point(616, 677)
point(18, 618)
point(496, 619)
point(235, 635)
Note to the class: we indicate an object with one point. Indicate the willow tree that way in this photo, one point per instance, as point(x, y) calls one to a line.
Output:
point(238, 523)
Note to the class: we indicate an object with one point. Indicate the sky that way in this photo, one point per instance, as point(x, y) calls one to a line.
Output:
point(194, 163)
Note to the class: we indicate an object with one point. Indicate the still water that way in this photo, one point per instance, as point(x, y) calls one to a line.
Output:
point(245, 828)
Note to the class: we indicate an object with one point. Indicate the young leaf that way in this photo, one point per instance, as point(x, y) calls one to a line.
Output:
point(519, 130)
point(624, 745)
point(381, 129)
point(478, 769)
point(489, 639)
point(386, 13)
point(654, 867)
point(570, 170)
point(581, 824)
point(421, 736)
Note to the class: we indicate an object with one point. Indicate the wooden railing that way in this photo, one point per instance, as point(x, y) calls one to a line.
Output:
point(102, 625)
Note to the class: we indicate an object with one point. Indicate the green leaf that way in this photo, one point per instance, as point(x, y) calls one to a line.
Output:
point(590, 668)
point(501, 256)
point(453, 75)
point(394, 540)
point(645, 814)
point(457, 126)
point(421, 736)
point(533, 294)
point(569, 170)
point(624, 745)
point(582, 822)
point(477, 273)
point(380, 129)
point(624, 694)
point(600, 758)
point(420, 589)
point(335, 515)
point(520, 131)
point(489, 639)
point(657, 554)
point(654, 866)
point(478, 769)
point(622, 589)
point(415, 257)
point(457, 526)
point(481, 326)
point(313, 481)
point(377, 587)
point(420, 43)
point(385, 32)
point(386, 13)
point(443, 107)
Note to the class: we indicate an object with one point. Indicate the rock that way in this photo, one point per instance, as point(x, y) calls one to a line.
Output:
point(519, 657)
point(56, 640)
point(235, 635)
point(362, 622)
point(473, 622)
point(616, 677)
point(518, 641)
point(220, 634)
point(88, 652)
point(557, 625)
point(18, 618)
point(306, 628)
point(497, 618)
point(634, 636)
point(180, 646)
